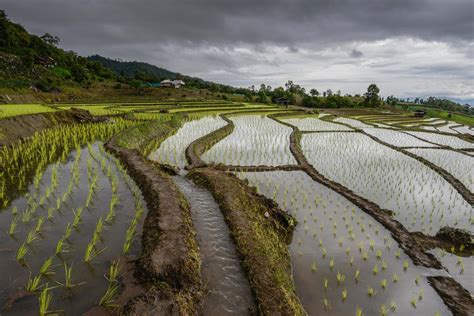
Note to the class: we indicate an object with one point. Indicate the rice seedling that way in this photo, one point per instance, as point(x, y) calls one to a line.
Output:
point(109, 296)
point(129, 238)
point(67, 232)
point(405, 265)
point(371, 292)
point(47, 268)
point(68, 283)
point(326, 304)
point(115, 270)
point(77, 217)
point(393, 306)
point(111, 213)
point(91, 252)
point(61, 246)
point(21, 253)
point(45, 299)
point(13, 226)
point(340, 278)
point(31, 236)
point(33, 283)
point(39, 225)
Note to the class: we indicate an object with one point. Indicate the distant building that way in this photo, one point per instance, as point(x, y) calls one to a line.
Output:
point(154, 84)
point(282, 101)
point(172, 83)
point(420, 113)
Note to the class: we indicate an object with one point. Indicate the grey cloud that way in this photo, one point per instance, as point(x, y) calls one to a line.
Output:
point(217, 21)
point(269, 39)
point(356, 53)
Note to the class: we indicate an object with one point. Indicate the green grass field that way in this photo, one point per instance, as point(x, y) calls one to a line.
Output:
point(9, 110)
point(455, 117)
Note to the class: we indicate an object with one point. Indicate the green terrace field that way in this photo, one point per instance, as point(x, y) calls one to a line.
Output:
point(433, 112)
point(9, 110)
point(295, 212)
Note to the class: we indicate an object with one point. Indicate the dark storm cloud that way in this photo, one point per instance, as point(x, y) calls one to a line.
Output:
point(356, 53)
point(289, 23)
point(246, 42)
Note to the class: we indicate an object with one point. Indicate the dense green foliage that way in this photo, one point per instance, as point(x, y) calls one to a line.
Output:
point(449, 105)
point(139, 74)
point(134, 69)
point(29, 60)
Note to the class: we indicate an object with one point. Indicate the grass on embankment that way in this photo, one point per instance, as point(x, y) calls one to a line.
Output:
point(148, 136)
point(169, 266)
point(260, 231)
point(455, 117)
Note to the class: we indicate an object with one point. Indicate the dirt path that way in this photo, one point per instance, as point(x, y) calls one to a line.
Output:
point(260, 231)
point(169, 266)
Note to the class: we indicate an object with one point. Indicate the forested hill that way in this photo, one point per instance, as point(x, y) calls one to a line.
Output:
point(28, 60)
point(139, 73)
point(31, 61)
point(134, 69)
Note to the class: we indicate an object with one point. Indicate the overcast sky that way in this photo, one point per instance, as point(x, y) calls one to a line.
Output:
point(407, 47)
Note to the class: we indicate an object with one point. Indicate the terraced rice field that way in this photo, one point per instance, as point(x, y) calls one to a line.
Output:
point(369, 196)
point(256, 140)
point(357, 162)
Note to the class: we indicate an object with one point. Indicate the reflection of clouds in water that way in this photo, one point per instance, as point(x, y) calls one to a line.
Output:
point(330, 227)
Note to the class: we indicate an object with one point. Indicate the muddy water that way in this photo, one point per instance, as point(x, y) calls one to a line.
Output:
point(229, 290)
point(14, 276)
point(343, 259)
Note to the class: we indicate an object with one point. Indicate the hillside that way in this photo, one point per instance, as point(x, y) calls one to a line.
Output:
point(31, 63)
point(134, 69)
point(27, 60)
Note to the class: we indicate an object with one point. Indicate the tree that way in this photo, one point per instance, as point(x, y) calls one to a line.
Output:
point(278, 93)
point(314, 92)
point(329, 92)
point(372, 98)
point(262, 94)
point(391, 100)
point(50, 39)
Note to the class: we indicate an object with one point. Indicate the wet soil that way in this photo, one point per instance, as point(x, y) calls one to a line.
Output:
point(260, 231)
point(170, 265)
point(458, 299)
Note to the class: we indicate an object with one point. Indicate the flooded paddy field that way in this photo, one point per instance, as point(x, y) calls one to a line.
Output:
point(358, 162)
point(76, 223)
point(343, 260)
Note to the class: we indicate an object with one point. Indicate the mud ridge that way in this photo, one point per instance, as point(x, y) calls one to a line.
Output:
point(261, 168)
point(315, 132)
point(433, 143)
point(413, 244)
point(260, 231)
point(198, 147)
point(169, 267)
point(458, 299)
point(458, 185)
